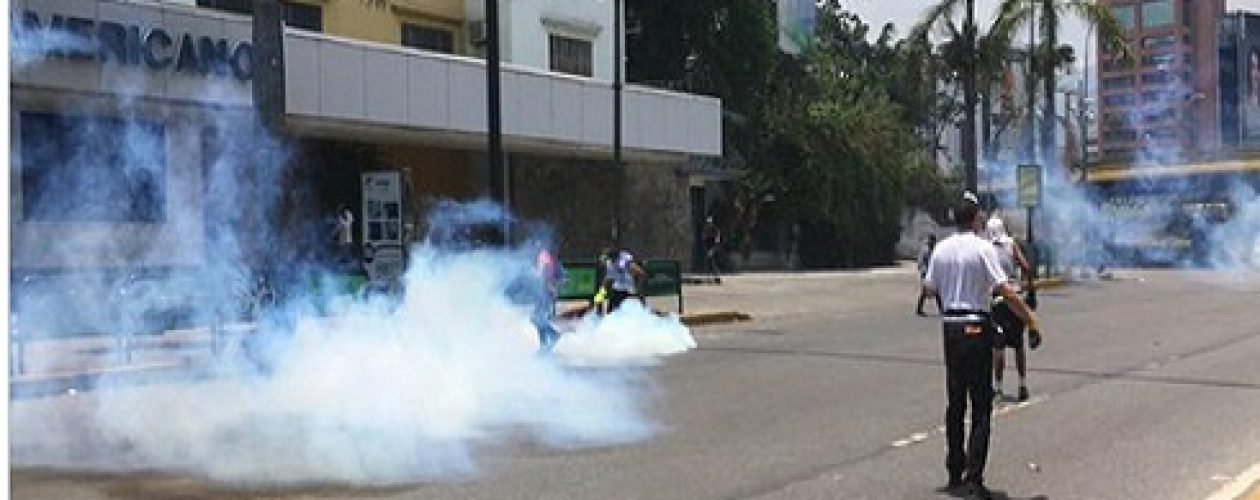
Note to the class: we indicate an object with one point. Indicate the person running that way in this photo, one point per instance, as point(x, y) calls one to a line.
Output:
point(549, 276)
point(964, 271)
point(1010, 327)
point(924, 256)
point(621, 277)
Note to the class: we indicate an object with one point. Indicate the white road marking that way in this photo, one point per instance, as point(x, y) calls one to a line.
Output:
point(1239, 486)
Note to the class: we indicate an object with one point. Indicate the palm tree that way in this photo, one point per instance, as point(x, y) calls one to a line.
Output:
point(1015, 13)
point(942, 15)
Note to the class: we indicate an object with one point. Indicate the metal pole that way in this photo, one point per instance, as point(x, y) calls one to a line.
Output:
point(970, 159)
point(494, 121)
point(1033, 258)
point(617, 84)
point(1030, 86)
point(1084, 126)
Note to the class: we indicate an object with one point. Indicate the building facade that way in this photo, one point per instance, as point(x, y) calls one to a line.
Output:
point(1162, 105)
point(380, 106)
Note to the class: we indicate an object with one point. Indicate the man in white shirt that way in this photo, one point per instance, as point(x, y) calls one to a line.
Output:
point(964, 272)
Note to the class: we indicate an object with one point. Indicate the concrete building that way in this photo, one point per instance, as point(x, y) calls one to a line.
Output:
point(1162, 106)
point(379, 105)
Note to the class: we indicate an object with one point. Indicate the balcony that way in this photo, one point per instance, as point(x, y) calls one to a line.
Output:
point(336, 85)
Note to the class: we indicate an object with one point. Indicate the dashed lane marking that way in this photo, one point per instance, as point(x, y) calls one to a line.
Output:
point(1238, 489)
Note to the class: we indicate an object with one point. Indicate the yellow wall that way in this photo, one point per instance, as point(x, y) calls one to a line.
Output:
point(381, 20)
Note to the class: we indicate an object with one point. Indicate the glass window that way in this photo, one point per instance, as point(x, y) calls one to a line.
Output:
point(428, 38)
point(1159, 60)
point(245, 7)
point(1160, 78)
point(89, 169)
point(1165, 115)
point(1159, 42)
point(1118, 82)
point(1119, 100)
point(1126, 15)
point(1162, 133)
point(1158, 14)
point(571, 55)
point(297, 15)
point(304, 16)
point(1120, 135)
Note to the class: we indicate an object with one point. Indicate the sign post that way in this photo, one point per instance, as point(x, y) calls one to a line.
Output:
point(1028, 180)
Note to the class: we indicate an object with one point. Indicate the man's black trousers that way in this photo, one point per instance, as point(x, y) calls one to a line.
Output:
point(968, 372)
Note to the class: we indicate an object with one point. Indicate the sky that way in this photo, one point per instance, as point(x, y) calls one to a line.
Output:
point(905, 13)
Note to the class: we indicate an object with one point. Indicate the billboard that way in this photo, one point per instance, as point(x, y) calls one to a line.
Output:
point(796, 24)
point(1249, 78)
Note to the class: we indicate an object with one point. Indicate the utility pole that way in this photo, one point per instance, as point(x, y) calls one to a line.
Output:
point(617, 86)
point(970, 161)
point(494, 122)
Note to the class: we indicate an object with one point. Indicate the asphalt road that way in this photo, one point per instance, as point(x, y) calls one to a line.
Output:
point(1146, 387)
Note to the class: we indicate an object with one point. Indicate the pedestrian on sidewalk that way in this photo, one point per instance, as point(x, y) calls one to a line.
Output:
point(925, 255)
point(711, 236)
point(1010, 327)
point(964, 271)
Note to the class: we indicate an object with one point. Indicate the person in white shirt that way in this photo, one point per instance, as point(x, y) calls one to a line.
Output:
point(965, 271)
point(1010, 328)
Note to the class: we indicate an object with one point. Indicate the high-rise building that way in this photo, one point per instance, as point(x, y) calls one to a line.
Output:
point(1161, 105)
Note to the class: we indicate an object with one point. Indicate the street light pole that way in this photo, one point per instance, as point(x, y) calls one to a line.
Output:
point(494, 123)
point(617, 86)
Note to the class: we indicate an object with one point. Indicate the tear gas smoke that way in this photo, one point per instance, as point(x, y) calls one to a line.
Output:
point(330, 388)
point(1204, 221)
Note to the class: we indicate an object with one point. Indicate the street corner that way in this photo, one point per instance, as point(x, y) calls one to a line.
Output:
point(715, 318)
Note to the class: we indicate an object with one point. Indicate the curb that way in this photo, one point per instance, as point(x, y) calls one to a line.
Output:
point(714, 318)
point(1051, 283)
point(47, 384)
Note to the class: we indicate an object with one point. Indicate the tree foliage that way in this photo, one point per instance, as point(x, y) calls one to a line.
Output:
point(841, 137)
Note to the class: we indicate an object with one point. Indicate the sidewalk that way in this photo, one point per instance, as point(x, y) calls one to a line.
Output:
point(756, 295)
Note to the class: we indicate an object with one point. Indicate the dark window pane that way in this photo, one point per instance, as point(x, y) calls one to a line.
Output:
point(300, 15)
point(297, 15)
point(1159, 61)
point(1159, 42)
point(235, 6)
point(88, 169)
point(570, 55)
point(1120, 100)
point(427, 38)
point(1158, 78)
point(1119, 82)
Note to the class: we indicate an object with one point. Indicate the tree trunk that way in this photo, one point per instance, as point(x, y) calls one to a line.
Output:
point(1049, 35)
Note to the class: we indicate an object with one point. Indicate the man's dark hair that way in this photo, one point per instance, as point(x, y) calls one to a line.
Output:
point(965, 213)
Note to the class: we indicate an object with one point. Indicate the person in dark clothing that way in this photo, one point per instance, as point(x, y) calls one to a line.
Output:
point(964, 271)
point(711, 236)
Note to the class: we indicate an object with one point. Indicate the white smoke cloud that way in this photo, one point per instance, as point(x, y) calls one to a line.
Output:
point(330, 388)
